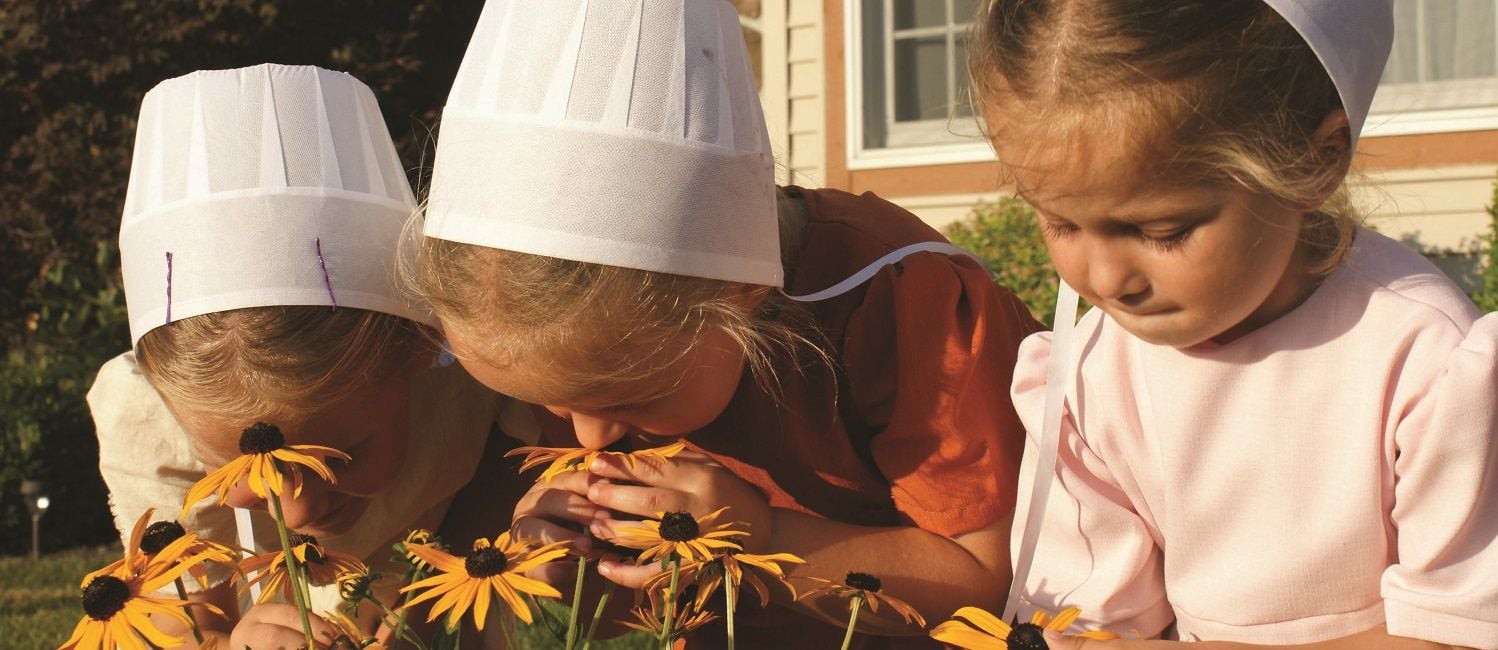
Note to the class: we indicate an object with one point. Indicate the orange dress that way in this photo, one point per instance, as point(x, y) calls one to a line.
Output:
point(913, 428)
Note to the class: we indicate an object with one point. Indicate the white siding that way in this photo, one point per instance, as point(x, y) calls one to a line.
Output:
point(806, 161)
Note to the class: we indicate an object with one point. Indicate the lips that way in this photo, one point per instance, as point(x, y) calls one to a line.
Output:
point(339, 519)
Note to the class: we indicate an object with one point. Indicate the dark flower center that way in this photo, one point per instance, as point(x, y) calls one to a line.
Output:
point(862, 581)
point(313, 554)
point(104, 597)
point(679, 527)
point(485, 562)
point(1027, 636)
point(261, 438)
point(159, 535)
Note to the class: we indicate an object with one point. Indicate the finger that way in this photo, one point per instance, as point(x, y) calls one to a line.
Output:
point(574, 482)
point(645, 470)
point(559, 505)
point(1056, 641)
point(528, 527)
point(636, 500)
point(626, 575)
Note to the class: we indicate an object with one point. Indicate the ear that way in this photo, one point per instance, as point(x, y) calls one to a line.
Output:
point(1333, 143)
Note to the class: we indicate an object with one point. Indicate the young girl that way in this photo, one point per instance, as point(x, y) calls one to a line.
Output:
point(259, 233)
point(1279, 426)
point(605, 239)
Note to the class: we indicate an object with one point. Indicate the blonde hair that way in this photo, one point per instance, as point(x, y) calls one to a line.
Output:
point(608, 329)
point(275, 363)
point(1237, 93)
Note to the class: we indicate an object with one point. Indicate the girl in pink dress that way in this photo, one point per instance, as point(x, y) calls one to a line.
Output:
point(1278, 426)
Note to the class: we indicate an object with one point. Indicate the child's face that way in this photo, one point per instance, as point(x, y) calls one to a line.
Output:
point(371, 426)
point(692, 393)
point(1173, 264)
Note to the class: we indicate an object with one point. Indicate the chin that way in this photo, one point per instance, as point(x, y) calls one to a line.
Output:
point(1168, 330)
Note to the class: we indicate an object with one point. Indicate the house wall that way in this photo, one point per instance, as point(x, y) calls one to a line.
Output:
point(1429, 190)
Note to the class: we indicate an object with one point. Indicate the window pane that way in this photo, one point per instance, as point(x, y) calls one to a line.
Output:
point(920, 13)
point(1404, 61)
point(920, 78)
point(1459, 39)
point(964, 103)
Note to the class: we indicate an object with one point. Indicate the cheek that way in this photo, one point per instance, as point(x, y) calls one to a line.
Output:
point(375, 466)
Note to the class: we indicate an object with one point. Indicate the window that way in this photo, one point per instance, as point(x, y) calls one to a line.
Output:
point(1443, 71)
point(907, 80)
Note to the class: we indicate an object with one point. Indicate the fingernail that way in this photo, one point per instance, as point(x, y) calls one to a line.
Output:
point(597, 530)
point(1051, 636)
point(593, 492)
point(605, 568)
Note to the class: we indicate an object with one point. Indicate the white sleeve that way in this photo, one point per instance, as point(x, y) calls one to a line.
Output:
point(145, 457)
point(1443, 586)
point(1095, 551)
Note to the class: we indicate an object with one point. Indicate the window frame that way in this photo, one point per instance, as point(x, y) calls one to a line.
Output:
point(859, 156)
point(1388, 116)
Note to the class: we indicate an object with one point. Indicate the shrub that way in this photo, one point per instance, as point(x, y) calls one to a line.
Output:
point(1007, 236)
point(1487, 295)
point(72, 73)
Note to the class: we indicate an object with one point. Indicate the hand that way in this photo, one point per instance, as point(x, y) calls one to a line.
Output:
point(688, 482)
point(274, 626)
point(556, 511)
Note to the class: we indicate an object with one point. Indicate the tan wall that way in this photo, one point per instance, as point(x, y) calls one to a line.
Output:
point(1429, 190)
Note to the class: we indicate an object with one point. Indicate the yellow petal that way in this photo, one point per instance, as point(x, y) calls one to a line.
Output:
point(1064, 619)
point(984, 621)
point(954, 633)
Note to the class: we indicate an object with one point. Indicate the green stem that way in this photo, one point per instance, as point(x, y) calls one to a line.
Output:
point(197, 633)
point(416, 575)
point(603, 600)
point(398, 630)
point(293, 567)
point(507, 624)
point(577, 601)
point(670, 604)
point(728, 590)
point(852, 620)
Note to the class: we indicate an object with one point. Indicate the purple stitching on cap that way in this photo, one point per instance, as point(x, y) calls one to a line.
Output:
point(327, 282)
point(168, 287)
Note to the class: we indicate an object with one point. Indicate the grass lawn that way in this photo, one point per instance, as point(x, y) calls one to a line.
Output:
point(39, 603)
point(39, 600)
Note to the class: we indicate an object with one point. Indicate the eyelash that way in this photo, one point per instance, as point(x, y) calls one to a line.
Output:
point(1168, 243)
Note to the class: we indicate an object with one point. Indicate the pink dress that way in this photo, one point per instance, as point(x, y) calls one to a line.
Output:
point(1331, 471)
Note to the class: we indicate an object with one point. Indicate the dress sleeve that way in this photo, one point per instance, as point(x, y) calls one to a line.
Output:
point(1443, 586)
point(146, 461)
point(1095, 551)
point(929, 354)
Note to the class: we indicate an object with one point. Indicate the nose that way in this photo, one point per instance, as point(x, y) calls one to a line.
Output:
point(299, 511)
point(1112, 275)
point(593, 431)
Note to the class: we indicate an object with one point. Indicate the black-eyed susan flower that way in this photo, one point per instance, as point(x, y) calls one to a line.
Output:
point(322, 567)
point(349, 634)
point(355, 587)
point(268, 463)
point(492, 569)
point(578, 459)
point(422, 538)
point(858, 588)
point(685, 621)
point(147, 542)
point(680, 535)
point(118, 605)
point(976, 629)
point(740, 567)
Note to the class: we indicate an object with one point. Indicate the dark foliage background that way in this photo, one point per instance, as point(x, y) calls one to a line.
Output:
point(72, 73)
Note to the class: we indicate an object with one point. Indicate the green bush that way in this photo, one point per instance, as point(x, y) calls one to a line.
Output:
point(72, 74)
point(1007, 236)
point(1487, 295)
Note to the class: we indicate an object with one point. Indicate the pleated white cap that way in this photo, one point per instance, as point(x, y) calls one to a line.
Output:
point(618, 132)
point(1352, 38)
point(261, 186)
